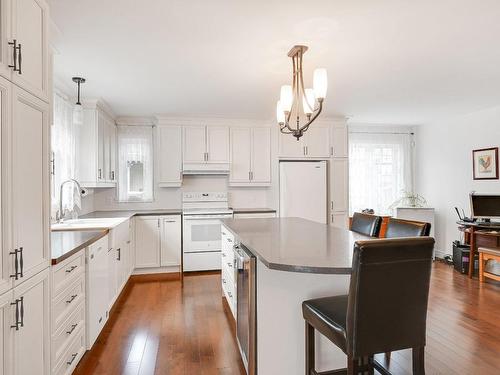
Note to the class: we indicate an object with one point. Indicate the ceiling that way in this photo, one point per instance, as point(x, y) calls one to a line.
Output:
point(400, 62)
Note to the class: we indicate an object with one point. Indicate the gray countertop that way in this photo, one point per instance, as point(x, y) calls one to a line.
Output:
point(67, 243)
point(297, 245)
point(130, 213)
point(244, 210)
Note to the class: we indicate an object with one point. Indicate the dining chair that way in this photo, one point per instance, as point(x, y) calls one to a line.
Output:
point(406, 228)
point(366, 224)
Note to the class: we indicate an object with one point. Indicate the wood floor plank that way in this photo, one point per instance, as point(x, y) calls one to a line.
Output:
point(160, 327)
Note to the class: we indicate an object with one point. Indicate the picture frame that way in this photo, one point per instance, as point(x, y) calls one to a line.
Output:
point(485, 163)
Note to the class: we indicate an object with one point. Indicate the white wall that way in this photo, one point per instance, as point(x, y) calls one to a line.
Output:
point(444, 167)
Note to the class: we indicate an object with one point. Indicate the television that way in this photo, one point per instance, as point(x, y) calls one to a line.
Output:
point(485, 206)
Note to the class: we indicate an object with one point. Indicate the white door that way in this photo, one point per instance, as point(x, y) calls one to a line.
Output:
point(6, 259)
point(303, 190)
point(112, 151)
point(112, 278)
point(6, 332)
point(101, 134)
point(31, 349)
point(194, 147)
point(30, 182)
point(241, 148)
point(30, 29)
point(261, 155)
point(6, 49)
point(289, 147)
point(170, 155)
point(171, 241)
point(147, 240)
point(218, 144)
point(317, 141)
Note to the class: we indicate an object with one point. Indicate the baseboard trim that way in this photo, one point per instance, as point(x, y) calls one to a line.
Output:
point(165, 276)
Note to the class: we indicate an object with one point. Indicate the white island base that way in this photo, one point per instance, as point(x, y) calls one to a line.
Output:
point(280, 325)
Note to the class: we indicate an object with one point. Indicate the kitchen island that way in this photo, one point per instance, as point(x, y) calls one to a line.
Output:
point(297, 259)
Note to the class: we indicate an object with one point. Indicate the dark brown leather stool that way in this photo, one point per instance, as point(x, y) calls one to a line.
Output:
point(366, 224)
point(386, 309)
point(406, 228)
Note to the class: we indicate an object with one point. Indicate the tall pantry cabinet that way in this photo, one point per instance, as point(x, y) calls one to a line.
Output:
point(24, 188)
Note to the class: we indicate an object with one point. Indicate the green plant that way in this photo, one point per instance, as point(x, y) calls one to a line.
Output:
point(409, 199)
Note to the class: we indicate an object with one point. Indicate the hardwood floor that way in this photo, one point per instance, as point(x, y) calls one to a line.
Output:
point(160, 328)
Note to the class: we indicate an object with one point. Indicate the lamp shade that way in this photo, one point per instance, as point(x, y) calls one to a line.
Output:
point(286, 98)
point(280, 114)
point(320, 83)
point(308, 101)
point(77, 114)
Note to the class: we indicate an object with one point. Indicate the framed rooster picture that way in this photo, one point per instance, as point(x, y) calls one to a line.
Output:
point(485, 163)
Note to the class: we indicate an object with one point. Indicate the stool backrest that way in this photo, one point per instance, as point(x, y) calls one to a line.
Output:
point(406, 228)
point(366, 224)
point(389, 289)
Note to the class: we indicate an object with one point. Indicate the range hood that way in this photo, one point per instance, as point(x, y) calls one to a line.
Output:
point(205, 168)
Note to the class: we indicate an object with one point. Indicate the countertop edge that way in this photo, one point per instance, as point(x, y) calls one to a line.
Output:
point(253, 210)
point(83, 245)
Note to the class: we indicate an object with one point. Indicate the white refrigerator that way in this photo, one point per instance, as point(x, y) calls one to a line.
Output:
point(303, 190)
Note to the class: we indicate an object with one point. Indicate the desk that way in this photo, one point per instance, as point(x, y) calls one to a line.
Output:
point(479, 234)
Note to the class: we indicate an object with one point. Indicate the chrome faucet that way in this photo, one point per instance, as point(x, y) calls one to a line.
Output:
point(60, 213)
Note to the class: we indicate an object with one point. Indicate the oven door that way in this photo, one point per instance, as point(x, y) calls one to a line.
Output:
point(202, 233)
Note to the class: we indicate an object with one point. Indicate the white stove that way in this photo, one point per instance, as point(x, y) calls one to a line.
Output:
point(202, 213)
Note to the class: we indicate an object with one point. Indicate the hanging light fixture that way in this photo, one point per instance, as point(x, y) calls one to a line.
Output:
point(78, 109)
point(297, 102)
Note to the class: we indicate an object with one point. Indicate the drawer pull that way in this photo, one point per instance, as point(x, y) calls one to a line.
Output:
point(72, 298)
point(223, 281)
point(73, 327)
point(73, 356)
point(71, 269)
point(223, 233)
point(230, 264)
point(229, 240)
point(229, 294)
point(223, 255)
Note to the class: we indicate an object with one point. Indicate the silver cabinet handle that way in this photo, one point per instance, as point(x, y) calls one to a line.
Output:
point(73, 327)
point(71, 269)
point(229, 240)
point(119, 250)
point(223, 255)
point(16, 264)
point(229, 294)
point(331, 150)
point(223, 281)
point(21, 261)
point(230, 264)
point(99, 173)
point(72, 298)
point(73, 356)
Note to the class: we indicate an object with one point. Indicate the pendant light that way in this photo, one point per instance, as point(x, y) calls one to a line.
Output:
point(78, 109)
point(297, 102)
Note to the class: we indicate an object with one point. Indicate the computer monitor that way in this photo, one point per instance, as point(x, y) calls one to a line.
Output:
point(485, 206)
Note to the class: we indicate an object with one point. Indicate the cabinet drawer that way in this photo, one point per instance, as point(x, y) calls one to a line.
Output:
point(68, 301)
point(66, 332)
point(227, 281)
point(227, 259)
point(229, 289)
point(67, 271)
point(72, 355)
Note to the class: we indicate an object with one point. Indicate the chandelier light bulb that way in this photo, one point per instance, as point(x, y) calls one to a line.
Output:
point(286, 97)
point(280, 114)
point(77, 114)
point(320, 83)
point(308, 101)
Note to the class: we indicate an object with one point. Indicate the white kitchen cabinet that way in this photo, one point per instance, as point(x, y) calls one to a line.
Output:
point(339, 175)
point(314, 144)
point(31, 341)
point(29, 182)
point(96, 147)
point(112, 278)
point(195, 145)
point(147, 241)
point(170, 156)
point(217, 144)
point(29, 21)
point(339, 140)
point(250, 157)
point(205, 145)
point(255, 215)
point(6, 54)
point(6, 332)
point(171, 241)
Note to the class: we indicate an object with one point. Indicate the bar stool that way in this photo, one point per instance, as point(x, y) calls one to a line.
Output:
point(386, 309)
point(406, 228)
point(366, 224)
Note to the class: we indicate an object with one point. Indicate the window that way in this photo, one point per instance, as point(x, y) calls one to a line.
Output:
point(135, 163)
point(380, 168)
point(63, 145)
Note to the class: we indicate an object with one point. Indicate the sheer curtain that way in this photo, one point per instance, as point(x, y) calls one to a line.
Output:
point(380, 168)
point(64, 153)
point(135, 163)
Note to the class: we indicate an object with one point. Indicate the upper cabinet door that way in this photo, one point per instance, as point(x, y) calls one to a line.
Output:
point(101, 135)
point(6, 259)
point(241, 150)
point(6, 50)
point(290, 147)
point(30, 30)
point(194, 144)
point(170, 156)
point(317, 141)
point(30, 181)
point(261, 156)
point(340, 146)
point(218, 144)
point(112, 151)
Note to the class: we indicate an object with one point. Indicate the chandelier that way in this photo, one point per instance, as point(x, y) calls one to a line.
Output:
point(297, 102)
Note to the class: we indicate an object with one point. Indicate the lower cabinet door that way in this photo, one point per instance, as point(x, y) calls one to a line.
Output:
point(147, 242)
point(112, 278)
point(6, 331)
point(31, 347)
point(171, 241)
